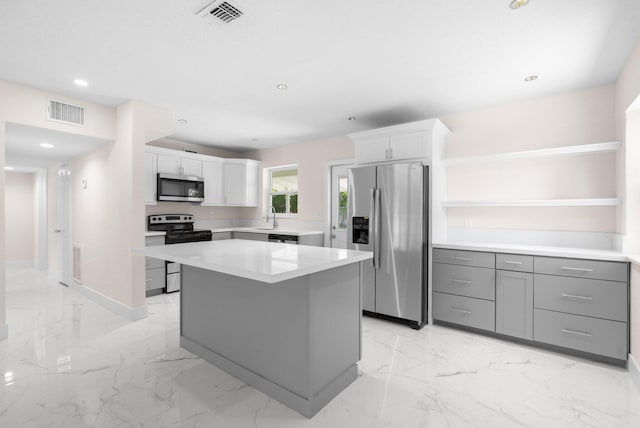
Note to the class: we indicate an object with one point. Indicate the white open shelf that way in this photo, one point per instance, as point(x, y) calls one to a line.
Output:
point(594, 202)
point(531, 154)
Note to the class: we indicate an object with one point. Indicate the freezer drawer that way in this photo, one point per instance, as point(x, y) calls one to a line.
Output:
point(465, 311)
point(464, 281)
point(589, 297)
point(610, 271)
point(593, 335)
point(464, 258)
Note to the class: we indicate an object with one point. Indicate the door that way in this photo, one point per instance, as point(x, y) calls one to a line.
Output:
point(65, 272)
point(514, 304)
point(168, 164)
point(191, 167)
point(212, 174)
point(235, 183)
point(399, 276)
point(339, 195)
point(360, 231)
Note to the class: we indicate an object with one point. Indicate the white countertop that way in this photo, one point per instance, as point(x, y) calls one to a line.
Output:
point(154, 233)
point(538, 250)
point(269, 230)
point(261, 261)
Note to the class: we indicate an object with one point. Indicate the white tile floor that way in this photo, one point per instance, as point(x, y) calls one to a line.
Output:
point(70, 363)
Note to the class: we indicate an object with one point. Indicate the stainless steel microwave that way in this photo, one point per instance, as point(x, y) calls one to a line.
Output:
point(182, 188)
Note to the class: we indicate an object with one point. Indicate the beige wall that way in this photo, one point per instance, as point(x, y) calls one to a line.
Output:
point(573, 118)
point(19, 217)
point(310, 158)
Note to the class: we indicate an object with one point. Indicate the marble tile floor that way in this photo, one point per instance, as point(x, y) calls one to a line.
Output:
point(70, 363)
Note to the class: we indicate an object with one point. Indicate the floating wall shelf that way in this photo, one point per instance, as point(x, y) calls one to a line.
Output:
point(597, 202)
point(531, 154)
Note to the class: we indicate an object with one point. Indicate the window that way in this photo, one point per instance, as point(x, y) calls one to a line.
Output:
point(283, 185)
point(343, 186)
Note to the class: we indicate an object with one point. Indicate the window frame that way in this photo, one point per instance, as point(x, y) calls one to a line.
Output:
point(287, 195)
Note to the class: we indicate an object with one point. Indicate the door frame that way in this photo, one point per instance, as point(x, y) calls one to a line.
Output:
point(327, 195)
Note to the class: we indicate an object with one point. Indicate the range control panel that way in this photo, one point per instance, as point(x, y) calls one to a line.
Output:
point(360, 230)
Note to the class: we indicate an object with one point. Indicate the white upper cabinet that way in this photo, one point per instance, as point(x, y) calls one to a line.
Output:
point(394, 143)
point(181, 164)
point(150, 174)
point(240, 182)
point(213, 181)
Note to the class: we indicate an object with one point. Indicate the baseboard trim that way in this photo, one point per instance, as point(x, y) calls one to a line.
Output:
point(4, 331)
point(127, 312)
point(634, 371)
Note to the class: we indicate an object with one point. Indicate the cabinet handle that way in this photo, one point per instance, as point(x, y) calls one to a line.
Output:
point(386, 154)
point(507, 262)
point(465, 259)
point(462, 311)
point(461, 281)
point(577, 269)
point(573, 296)
point(577, 333)
point(391, 153)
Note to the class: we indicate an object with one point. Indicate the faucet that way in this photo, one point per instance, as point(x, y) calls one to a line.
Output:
point(275, 221)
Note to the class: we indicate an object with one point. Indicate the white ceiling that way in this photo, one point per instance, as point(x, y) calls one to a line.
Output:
point(385, 62)
point(24, 153)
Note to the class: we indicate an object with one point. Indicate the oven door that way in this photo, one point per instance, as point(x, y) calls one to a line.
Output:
point(180, 188)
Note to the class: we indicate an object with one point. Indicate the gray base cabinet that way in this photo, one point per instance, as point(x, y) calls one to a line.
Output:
point(580, 305)
point(155, 274)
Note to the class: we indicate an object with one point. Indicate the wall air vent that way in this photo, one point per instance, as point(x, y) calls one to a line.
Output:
point(58, 111)
point(77, 263)
point(224, 12)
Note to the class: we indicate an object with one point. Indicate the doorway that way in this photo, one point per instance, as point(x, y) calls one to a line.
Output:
point(63, 229)
point(338, 204)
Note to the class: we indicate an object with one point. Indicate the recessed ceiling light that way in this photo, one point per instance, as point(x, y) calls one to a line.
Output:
point(46, 145)
point(352, 118)
point(9, 168)
point(282, 86)
point(530, 78)
point(80, 82)
point(517, 4)
point(183, 121)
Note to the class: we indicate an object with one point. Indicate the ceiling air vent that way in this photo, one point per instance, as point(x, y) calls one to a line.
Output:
point(58, 111)
point(224, 11)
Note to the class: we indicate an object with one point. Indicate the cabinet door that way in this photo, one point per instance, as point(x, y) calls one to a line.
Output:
point(251, 236)
point(168, 164)
point(212, 174)
point(191, 167)
point(251, 186)
point(372, 150)
point(408, 146)
point(514, 304)
point(150, 178)
point(235, 183)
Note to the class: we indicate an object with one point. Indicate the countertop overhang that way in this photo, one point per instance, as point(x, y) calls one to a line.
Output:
point(264, 230)
point(268, 262)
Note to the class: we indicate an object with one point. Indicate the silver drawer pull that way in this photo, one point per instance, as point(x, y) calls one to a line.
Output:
point(462, 311)
point(461, 281)
point(577, 269)
point(573, 296)
point(507, 262)
point(464, 259)
point(577, 333)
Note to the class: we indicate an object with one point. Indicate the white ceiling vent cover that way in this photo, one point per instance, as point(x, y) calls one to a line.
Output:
point(224, 12)
point(58, 111)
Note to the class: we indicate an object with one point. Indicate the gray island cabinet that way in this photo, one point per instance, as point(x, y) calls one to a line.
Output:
point(285, 319)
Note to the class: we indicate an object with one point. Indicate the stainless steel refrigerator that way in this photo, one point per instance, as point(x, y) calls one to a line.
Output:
point(388, 214)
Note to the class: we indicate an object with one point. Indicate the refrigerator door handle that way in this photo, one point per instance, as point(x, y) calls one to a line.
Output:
point(376, 228)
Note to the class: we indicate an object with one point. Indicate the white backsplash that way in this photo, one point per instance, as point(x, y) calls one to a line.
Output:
point(283, 223)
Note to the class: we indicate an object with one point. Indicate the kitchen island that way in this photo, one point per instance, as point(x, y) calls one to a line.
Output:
point(283, 318)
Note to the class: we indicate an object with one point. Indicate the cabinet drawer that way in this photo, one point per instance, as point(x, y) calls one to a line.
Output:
point(597, 336)
point(464, 311)
point(464, 281)
point(589, 297)
point(251, 236)
point(151, 241)
point(220, 236)
point(464, 258)
point(155, 278)
point(515, 262)
point(152, 263)
point(611, 271)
